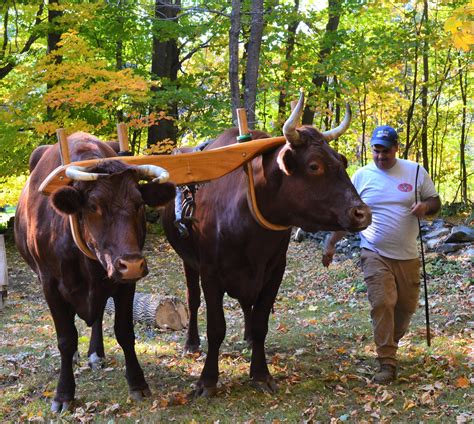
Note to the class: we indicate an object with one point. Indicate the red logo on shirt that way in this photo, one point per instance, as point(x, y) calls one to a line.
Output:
point(405, 187)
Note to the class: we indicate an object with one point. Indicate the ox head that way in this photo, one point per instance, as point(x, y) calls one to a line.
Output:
point(315, 181)
point(109, 203)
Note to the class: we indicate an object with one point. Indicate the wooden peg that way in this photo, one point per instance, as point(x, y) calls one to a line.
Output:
point(63, 146)
point(122, 132)
point(242, 121)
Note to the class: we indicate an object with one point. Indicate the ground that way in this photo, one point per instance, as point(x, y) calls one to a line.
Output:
point(319, 349)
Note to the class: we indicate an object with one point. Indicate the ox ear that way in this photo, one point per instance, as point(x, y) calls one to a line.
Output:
point(156, 194)
point(286, 160)
point(67, 200)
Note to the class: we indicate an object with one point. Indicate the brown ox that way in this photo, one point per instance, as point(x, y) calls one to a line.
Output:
point(109, 204)
point(304, 184)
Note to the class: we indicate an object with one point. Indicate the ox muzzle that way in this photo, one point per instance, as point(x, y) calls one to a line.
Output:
point(126, 267)
point(359, 217)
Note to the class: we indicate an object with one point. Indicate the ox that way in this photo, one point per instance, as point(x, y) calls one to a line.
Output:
point(302, 183)
point(109, 203)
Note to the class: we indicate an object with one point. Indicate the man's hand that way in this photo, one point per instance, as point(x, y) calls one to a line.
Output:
point(328, 253)
point(419, 209)
point(330, 246)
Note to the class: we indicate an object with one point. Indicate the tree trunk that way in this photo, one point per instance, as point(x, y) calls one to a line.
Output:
point(253, 61)
point(424, 91)
point(164, 65)
point(3, 273)
point(327, 44)
point(54, 35)
point(462, 145)
point(234, 59)
point(167, 312)
point(290, 46)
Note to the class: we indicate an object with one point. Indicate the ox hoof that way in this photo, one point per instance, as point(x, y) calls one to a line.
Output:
point(75, 358)
point(96, 362)
point(267, 386)
point(139, 395)
point(192, 348)
point(203, 392)
point(58, 407)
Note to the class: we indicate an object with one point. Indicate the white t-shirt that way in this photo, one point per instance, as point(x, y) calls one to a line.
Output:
point(390, 194)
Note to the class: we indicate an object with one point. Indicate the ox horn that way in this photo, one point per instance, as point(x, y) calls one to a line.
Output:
point(161, 175)
point(79, 173)
point(341, 128)
point(289, 129)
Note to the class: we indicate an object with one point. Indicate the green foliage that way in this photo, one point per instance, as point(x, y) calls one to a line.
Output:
point(104, 73)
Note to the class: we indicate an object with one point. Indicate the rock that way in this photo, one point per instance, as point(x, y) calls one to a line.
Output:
point(431, 244)
point(450, 247)
point(437, 233)
point(461, 233)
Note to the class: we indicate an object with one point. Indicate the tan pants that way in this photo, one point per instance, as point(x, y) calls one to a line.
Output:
point(393, 288)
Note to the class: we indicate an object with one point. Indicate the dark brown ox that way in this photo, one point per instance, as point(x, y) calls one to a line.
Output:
point(110, 210)
point(304, 184)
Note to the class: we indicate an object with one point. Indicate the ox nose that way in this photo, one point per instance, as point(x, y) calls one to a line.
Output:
point(361, 217)
point(131, 268)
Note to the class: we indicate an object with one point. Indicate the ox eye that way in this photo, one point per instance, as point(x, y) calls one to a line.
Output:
point(93, 207)
point(314, 167)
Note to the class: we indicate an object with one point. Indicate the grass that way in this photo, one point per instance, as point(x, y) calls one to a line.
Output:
point(319, 350)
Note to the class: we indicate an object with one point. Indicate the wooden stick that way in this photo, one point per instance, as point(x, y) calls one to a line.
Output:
point(63, 146)
point(242, 121)
point(122, 133)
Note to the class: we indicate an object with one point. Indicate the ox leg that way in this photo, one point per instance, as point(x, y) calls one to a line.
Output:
point(247, 310)
point(125, 335)
point(96, 352)
point(259, 372)
point(193, 295)
point(216, 327)
point(66, 333)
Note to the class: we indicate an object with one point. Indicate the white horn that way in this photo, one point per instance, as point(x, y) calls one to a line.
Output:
point(79, 173)
point(161, 175)
point(289, 128)
point(341, 128)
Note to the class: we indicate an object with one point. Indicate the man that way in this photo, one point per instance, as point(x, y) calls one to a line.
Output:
point(389, 255)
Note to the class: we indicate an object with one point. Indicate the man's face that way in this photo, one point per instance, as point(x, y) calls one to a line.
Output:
point(384, 157)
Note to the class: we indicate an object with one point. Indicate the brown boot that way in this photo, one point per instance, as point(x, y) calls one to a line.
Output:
point(386, 374)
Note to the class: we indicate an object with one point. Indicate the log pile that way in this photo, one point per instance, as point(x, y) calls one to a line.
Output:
point(166, 312)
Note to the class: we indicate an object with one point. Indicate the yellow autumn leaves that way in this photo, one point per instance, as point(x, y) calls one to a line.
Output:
point(461, 26)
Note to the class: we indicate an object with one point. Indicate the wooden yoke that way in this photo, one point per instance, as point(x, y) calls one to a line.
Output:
point(73, 222)
point(245, 136)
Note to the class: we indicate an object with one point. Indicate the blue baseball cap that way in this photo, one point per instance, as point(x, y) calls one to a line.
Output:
point(385, 136)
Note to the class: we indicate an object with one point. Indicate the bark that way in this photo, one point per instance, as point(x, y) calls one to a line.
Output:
point(253, 61)
point(3, 273)
point(424, 91)
point(234, 58)
point(290, 46)
point(327, 45)
point(54, 35)
point(119, 55)
point(165, 64)
point(462, 145)
point(167, 312)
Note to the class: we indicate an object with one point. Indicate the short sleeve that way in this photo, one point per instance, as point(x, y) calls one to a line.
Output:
point(427, 188)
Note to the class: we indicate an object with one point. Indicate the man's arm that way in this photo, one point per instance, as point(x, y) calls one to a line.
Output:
point(429, 206)
point(330, 246)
